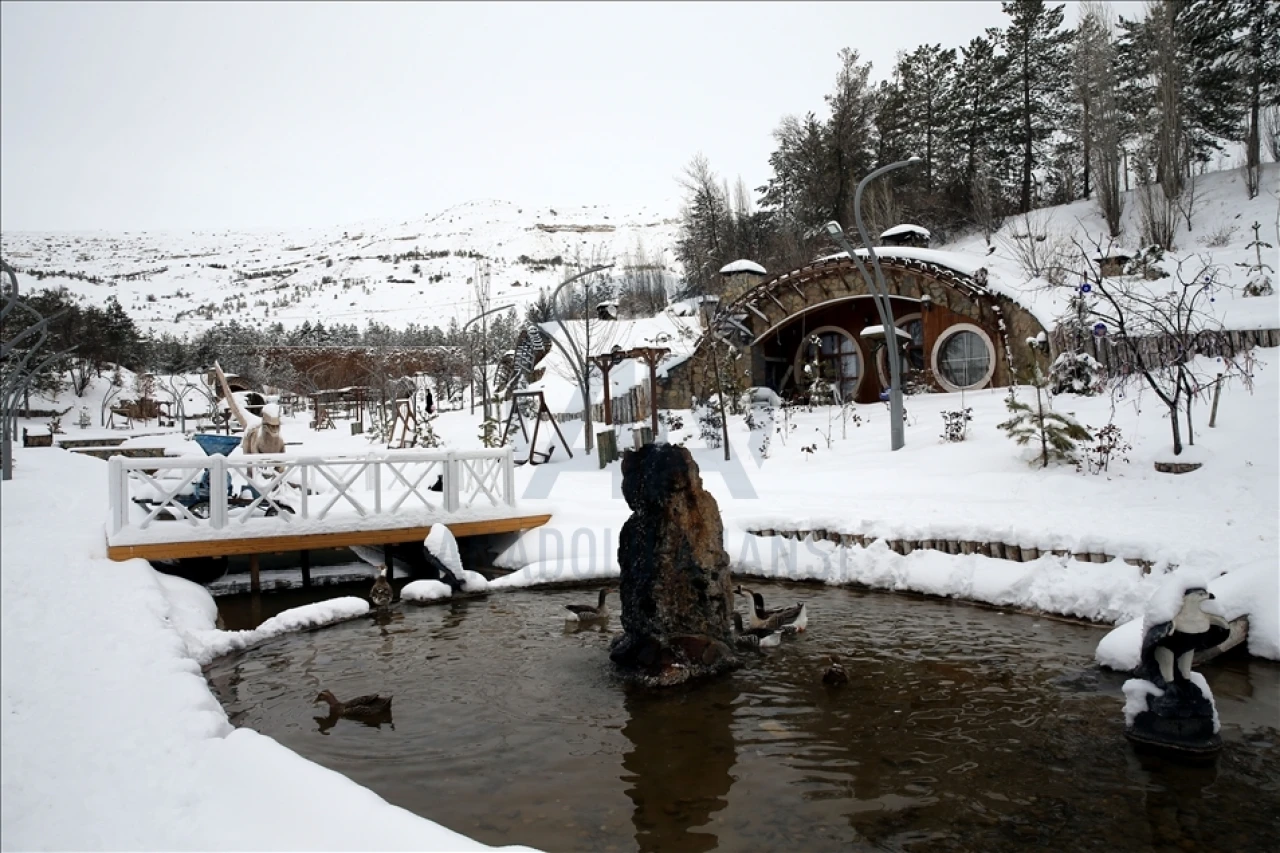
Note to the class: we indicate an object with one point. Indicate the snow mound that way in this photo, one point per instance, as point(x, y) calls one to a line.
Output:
point(554, 571)
point(425, 590)
point(444, 547)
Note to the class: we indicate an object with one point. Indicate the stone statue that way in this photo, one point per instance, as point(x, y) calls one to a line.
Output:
point(675, 588)
point(260, 435)
point(1169, 706)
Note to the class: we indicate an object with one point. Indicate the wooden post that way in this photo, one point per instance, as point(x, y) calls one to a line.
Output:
point(255, 583)
point(1217, 391)
point(608, 401)
point(305, 558)
point(653, 394)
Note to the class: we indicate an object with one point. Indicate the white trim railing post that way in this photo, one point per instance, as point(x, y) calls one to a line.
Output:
point(304, 489)
point(509, 476)
point(218, 491)
point(377, 486)
point(452, 484)
point(116, 488)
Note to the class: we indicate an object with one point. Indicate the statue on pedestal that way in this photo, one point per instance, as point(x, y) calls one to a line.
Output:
point(1168, 706)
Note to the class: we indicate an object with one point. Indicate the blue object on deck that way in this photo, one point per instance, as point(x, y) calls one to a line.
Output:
point(884, 396)
point(216, 445)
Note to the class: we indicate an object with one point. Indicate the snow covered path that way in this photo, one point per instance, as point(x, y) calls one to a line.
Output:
point(111, 738)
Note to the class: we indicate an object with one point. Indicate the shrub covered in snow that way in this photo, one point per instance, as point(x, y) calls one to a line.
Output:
point(1076, 373)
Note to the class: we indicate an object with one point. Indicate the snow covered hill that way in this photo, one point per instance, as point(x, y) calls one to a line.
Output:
point(418, 271)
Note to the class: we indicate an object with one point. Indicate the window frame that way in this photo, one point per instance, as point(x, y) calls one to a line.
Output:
point(949, 333)
point(799, 361)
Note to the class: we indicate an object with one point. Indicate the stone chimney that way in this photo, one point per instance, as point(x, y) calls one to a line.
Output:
point(739, 277)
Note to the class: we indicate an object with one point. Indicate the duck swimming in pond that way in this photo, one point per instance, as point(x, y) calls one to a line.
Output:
point(372, 705)
point(587, 613)
point(382, 592)
point(755, 638)
point(789, 620)
point(835, 676)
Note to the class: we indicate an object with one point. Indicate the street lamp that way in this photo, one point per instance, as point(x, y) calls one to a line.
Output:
point(880, 296)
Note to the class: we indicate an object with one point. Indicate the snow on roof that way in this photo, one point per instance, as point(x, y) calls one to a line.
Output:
point(878, 331)
point(743, 266)
point(905, 229)
point(678, 333)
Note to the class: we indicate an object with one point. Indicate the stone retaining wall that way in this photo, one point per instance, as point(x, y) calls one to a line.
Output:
point(998, 550)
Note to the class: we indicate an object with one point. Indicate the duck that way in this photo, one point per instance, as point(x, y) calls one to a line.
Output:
point(789, 620)
point(835, 676)
point(756, 638)
point(362, 706)
point(587, 613)
point(382, 592)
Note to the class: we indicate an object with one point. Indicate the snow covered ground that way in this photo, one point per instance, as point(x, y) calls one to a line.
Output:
point(112, 739)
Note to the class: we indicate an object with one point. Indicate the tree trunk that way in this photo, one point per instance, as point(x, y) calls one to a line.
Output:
point(1173, 424)
point(1026, 131)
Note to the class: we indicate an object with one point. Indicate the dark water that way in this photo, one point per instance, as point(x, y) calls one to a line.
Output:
point(961, 729)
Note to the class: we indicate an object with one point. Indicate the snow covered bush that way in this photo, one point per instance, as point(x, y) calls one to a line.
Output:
point(1076, 373)
point(710, 425)
point(955, 424)
point(759, 421)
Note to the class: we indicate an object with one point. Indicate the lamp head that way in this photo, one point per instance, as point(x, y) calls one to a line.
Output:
point(914, 158)
point(834, 229)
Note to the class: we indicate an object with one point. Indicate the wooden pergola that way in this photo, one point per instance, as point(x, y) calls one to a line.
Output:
point(650, 356)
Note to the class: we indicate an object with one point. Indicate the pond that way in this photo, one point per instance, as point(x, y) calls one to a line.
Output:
point(961, 728)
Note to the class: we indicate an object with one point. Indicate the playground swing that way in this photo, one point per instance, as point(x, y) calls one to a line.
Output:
point(535, 457)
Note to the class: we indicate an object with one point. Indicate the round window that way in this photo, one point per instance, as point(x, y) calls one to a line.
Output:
point(963, 358)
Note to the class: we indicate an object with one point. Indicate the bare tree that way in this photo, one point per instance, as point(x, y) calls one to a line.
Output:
point(1163, 326)
point(578, 340)
point(1096, 88)
point(21, 360)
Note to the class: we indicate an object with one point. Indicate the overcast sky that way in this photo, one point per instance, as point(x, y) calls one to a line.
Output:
point(184, 116)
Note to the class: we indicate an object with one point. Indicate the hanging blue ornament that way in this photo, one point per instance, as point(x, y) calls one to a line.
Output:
point(1086, 287)
point(1099, 329)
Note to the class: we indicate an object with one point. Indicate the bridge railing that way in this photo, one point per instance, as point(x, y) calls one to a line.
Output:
point(286, 489)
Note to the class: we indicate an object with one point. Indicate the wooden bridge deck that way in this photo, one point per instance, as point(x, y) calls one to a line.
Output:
point(306, 542)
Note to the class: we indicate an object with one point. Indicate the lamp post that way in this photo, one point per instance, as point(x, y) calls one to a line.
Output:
point(880, 296)
point(579, 358)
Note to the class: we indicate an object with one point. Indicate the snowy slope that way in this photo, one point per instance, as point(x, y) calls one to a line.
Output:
point(184, 282)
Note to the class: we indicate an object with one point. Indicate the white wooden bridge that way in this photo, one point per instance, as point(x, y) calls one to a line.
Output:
point(173, 508)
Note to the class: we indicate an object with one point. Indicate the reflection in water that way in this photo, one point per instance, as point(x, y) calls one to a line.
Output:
point(961, 729)
point(672, 740)
point(1174, 796)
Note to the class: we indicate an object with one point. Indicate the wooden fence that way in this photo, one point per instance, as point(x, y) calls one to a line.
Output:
point(629, 408)
point(1117, 359)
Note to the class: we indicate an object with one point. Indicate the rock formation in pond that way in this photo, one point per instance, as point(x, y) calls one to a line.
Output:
point(1168, 706)
point(675, 587)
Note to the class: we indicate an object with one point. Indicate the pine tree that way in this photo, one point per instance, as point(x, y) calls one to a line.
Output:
point(1038, 52)
point(1055, 433)
point(978, 164)
point(926, 76)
